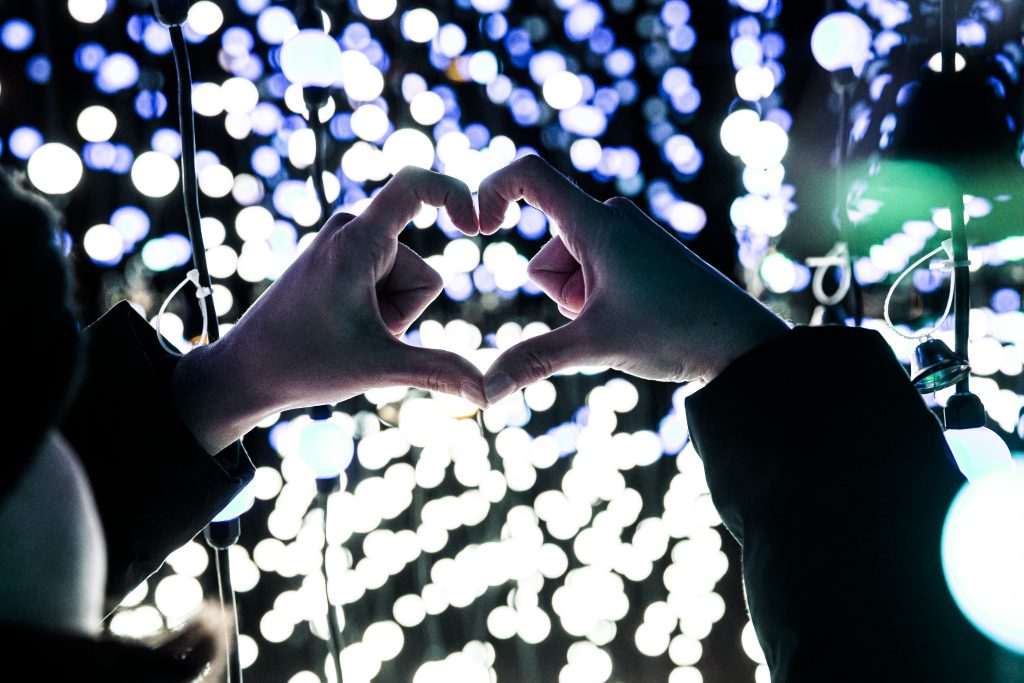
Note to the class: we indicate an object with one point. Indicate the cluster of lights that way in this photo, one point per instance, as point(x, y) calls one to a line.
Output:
point(757, 133)
point(355, 65)
point(567, 84)
point(861, 38)
point(981, 550)
point(592, 511)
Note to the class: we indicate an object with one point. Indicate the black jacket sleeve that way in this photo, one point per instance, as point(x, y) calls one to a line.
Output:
point(155, 486)
point(831, 472)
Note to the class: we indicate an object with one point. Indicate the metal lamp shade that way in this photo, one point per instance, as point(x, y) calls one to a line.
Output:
point(935, 366)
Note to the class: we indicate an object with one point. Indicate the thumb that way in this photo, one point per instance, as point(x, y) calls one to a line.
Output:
point(538, 357)
point(434, 370)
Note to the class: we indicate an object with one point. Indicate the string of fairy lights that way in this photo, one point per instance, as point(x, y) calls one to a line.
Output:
point(508, 528)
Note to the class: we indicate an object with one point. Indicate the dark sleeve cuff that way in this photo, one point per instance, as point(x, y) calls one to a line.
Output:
point(828, 467)
point(155, 486)
point(819, 408)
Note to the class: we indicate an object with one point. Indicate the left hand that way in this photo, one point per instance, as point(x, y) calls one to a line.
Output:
point(327, 329)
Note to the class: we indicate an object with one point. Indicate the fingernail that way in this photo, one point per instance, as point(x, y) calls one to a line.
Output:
point(471, 392)
point(498, 387)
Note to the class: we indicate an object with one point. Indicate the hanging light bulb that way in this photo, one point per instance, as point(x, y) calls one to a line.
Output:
point(326, 448)
point(238, 506)
point(978, 451)
point(841, 40)
point(311, 58)
point(983, 555)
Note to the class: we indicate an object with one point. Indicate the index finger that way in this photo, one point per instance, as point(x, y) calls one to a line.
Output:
point(402, 197)
point(535, 180)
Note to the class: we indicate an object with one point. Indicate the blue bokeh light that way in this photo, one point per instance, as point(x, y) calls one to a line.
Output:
point(582, 20)
point(163, 253)
point(150, 104)
point(533, 224)
point(156, 38)
point(237, 41)
point(116, 72)
point(168, 141)
point(88, 56)
point(1006, 300)
point(17, 35)
point(99, 156)
point(459, 287)
point(265, 161)
point(38, 69)
point(23, 141)
point(132, 222)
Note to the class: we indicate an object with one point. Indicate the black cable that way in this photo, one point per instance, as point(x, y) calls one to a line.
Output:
point(189, 179)
point(227, 597)
point(335, 641)
point(842, 82)
point(316, 98)
point(221, 536)
point(309, 16)
point(962, 273)
point(319, 164)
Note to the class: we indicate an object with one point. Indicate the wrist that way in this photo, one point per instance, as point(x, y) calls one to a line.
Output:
point(748, 330)
point(217, 395)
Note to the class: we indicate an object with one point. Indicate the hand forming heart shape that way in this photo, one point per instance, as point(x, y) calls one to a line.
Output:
point(638, 300)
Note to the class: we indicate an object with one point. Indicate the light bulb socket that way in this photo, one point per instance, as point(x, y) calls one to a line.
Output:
point(964, 411)
point(315, 98)
point(309, 15)
point(328, 485)
point(843, 79)
point(223, 535)
point(171, 12)
point(320, 413)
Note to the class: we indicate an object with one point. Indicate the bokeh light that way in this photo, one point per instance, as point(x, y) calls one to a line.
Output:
point(461, 550)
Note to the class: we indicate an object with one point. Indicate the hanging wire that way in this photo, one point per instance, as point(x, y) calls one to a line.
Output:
point(319, 164)
point(335, 641)
point(222, 562)
point(849, 278)
point(958, 226)
point(189, 179)
point(315, 98)
point(193, 221)
point(202, 293)
point(945, 265)
point(839, 256)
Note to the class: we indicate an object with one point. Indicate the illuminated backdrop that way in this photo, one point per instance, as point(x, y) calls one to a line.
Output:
point(573, 538)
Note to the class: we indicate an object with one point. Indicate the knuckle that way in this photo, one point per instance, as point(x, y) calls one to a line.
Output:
point(618, 202)
point(435, 379)
point(536, 365)
point(337, 221)
point(531, 163)
point(407, 174)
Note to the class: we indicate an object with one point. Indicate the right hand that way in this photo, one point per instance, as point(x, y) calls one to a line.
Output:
point(638, 300)
point(329, 327)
